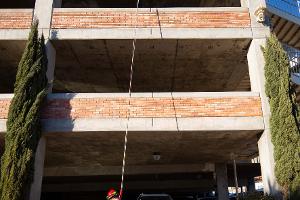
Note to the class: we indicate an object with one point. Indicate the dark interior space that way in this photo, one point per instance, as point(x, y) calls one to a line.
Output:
point(134, 185)
point(17, 4)
point(10, 55)
point(181, 186)
point(148, 3)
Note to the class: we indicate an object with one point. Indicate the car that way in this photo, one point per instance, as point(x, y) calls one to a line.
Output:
point(154, 197)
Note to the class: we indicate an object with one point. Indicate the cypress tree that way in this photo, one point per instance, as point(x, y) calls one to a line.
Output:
point(284, 117)
point(23, 123)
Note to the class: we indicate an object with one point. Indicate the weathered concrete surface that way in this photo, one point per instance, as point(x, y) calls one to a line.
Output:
point(151, 33)
point(103, 65)
point(130, 170)
point(259, 30)
point(91, 149)
point(160, 65)
point(43, 13)
point(51, 56)
point(36, 186)
point(222, 181)
point(154, 124)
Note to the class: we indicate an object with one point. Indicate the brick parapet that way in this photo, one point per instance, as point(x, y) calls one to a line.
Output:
point(146, 107)
point(82, 18)
point(167, 18)
point(15, 18)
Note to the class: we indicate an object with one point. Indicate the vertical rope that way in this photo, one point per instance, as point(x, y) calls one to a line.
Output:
point(236, 179)
point(129, 103)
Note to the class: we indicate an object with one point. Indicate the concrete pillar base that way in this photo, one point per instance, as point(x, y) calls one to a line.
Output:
point(222, 181)
point(36, 186)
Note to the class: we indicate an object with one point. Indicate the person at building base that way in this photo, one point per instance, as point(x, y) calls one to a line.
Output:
point(112, 195)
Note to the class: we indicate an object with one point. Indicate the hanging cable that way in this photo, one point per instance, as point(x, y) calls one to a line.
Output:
point(129, 92)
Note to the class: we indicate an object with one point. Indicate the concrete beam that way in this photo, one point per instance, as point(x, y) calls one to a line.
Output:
point(147, 94)
point(51, 56)
point(130, 170)
point(151, 33)
point(14, 34)
point(43, 13)
point(222, 181)
point(130, 185)
point(154, 124)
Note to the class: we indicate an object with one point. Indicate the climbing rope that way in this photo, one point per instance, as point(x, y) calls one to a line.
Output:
point(129, 92)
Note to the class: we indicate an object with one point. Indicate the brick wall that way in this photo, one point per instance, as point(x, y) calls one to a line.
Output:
point(166, 19)
point(15, 18)
point(147, 107)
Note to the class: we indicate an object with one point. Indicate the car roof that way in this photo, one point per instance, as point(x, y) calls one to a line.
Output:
point(154, 195)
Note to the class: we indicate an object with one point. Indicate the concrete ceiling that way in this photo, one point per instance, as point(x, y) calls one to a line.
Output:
point(92, 149)
point(286, 31)
point(160, 65)
point(17, 4)
point(10, 55)
point(150, 3)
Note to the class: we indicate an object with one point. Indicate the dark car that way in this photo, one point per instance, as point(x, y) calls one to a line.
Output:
point(154, 197)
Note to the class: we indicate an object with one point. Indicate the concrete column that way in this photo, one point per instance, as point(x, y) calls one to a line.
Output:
point(259, 29)
point(245, 3)
point(256, 64)
point(36, 186)
point(51, 56)
point(222, 181)
point(250, 185)
point(43, 13)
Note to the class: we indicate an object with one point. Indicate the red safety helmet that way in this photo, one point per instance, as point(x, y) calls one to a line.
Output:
point(112, 194)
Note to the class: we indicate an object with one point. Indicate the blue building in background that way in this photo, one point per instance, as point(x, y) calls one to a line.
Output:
point(288, 9)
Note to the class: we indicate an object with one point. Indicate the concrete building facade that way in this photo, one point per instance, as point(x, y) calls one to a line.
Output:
point(198, 92)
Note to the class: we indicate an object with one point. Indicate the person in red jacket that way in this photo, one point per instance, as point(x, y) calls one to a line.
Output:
point(112, 195)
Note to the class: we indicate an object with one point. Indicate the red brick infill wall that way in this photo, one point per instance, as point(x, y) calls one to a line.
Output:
point(15, 18)
point(146, 107)
point(63, 19)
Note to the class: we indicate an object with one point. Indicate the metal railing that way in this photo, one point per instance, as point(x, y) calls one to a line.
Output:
point(294, 58)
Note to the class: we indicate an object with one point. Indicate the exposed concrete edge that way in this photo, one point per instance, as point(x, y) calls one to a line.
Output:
point(151, 33)
point(130, 170)
point(6, 96)
point(144, 94)
point(186, 9)
point(154, 124)
point(150, 124)
point(150, 94)
point(16, 10)
point(14, 34)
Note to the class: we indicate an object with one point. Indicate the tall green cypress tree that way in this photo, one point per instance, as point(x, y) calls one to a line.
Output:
point(23, 123)
point(284, 117)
